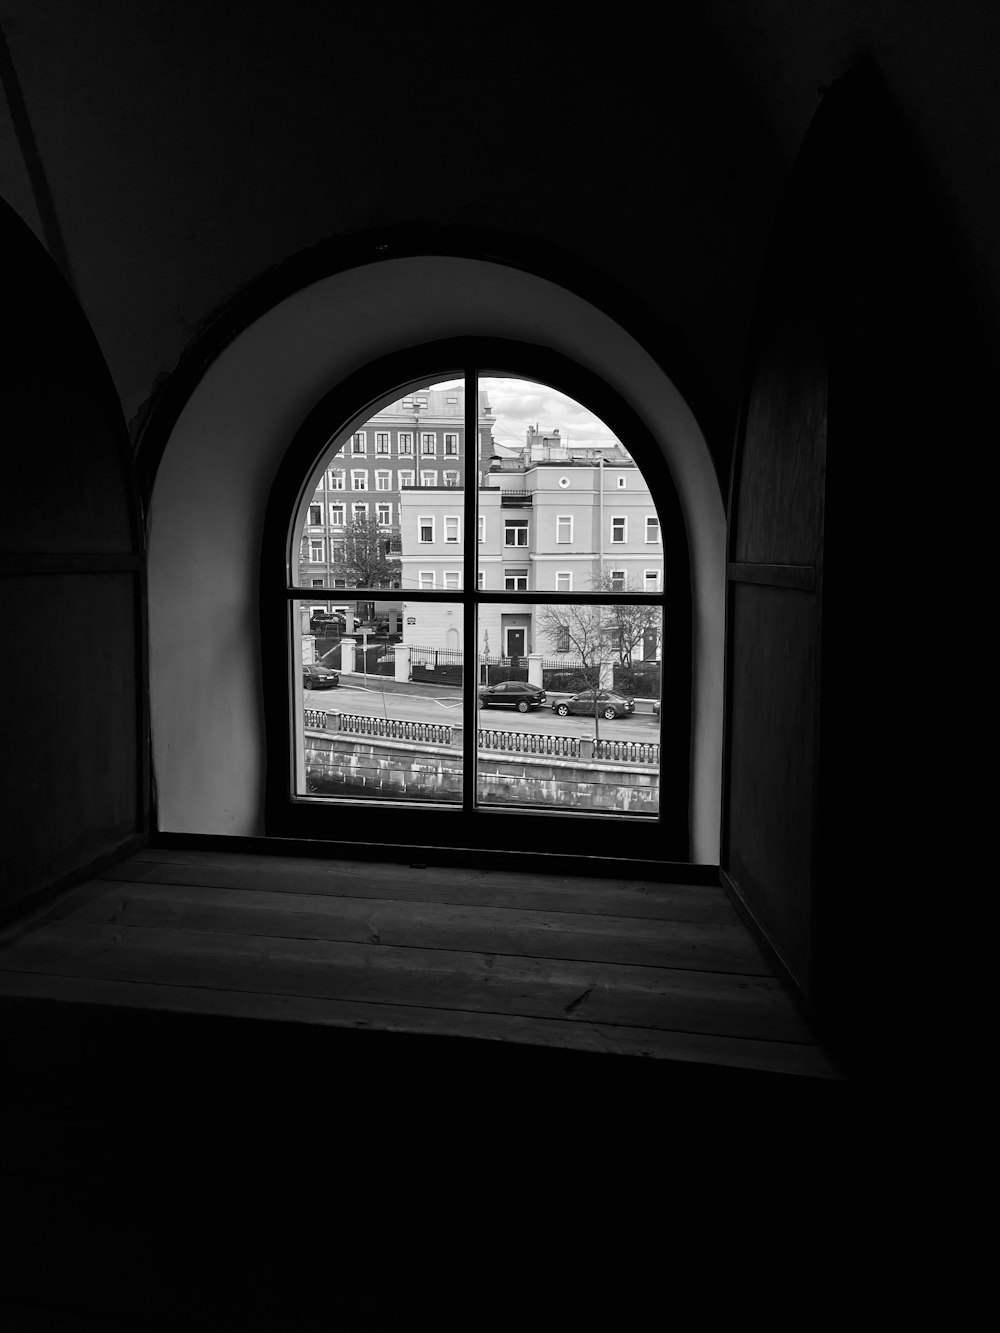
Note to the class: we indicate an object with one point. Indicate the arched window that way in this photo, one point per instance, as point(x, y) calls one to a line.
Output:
point(529, 687)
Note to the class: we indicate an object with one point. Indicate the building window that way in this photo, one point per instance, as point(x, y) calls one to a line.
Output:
point(564, 582)
point(317, 583)
point(482, 527)
point(651, 580)
point(383, 481)
point(405, 442)
point(316, 551)
point(359, 481)
point(452, 578)
point(564, 528)
point(619, 528)
point(428, 478)
point(381, 441)
point(621, 481)
point(451, 528)
point(425, 527)
point(515, 532)
point(359, 512)
point(405, 479)
point(451, 444)
point(562, 639)
point(428, 444)
point(383, 512)
point(336, 479)
point(618, 580)
point(480, 580)
point(451, 479)
point(652, 528)
point(515, 580)
point(340, 583)
point(337, 516)
point(427, 578)
point(359, 444)
point(315, 515)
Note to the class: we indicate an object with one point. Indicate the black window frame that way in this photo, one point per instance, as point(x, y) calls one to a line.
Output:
point(665, 837)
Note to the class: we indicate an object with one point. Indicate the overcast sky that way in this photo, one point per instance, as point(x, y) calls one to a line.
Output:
point(519, 404)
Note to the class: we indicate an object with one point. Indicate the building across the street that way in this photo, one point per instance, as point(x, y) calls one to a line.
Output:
point(554, 519)
point(416, 442)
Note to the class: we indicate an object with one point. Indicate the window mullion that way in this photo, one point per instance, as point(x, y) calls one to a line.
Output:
point(470, 531)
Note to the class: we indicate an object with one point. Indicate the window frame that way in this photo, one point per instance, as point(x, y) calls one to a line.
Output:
point(375, 825)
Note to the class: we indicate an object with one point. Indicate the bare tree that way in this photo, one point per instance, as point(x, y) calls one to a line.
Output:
point(585, 629)
point(628, 623)
point(364, 560)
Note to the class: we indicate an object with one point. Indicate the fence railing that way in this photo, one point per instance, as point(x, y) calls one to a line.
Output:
point(567, 747)
point(380, 728)
point(421, 656)
point(487, 738)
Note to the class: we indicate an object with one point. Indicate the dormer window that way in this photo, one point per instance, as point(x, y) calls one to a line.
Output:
point(538, 582)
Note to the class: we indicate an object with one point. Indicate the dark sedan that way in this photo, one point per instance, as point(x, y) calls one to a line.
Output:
point(316, 676)
point(511, 694)
point(608, 704)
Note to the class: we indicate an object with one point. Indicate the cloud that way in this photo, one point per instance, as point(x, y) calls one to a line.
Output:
point(519, 404)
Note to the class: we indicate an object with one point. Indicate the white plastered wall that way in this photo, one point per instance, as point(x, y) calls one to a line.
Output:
point(211, 491)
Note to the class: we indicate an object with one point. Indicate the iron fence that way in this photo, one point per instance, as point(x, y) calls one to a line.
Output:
point(380, 728)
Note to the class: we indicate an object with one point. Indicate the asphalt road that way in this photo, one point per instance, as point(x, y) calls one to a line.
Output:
point(447, 708)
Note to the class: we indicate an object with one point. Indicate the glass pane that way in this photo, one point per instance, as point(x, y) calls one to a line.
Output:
point(378, 713)
point(562, 505)
point(374, 483)
point(569, 707)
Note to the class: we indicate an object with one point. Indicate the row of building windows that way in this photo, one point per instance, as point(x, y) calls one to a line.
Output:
point(383, 479)
point(516, 580)
point(358, 513)
point(516, 530)
point(382, 442)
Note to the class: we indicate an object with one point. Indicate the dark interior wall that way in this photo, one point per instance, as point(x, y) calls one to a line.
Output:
point(191, 147)
point(871, 370)
point(71, 785)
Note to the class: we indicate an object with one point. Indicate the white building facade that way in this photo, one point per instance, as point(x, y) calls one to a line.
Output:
point(554, 520)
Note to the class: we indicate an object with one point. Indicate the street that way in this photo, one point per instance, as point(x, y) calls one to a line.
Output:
point(446, 707)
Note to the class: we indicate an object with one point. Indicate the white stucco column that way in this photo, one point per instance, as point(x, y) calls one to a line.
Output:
point(535, 669)
point(347, 647)
point(402, 654)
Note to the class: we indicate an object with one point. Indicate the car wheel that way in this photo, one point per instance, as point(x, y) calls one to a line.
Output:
point(522, 705)
point(609, 714)
point(562, 710)
point(483, 703)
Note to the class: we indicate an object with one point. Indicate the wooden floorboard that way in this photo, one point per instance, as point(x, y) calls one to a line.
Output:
point(722, 946)
point(661, 971)
point(648, 901)
point(801, 1059)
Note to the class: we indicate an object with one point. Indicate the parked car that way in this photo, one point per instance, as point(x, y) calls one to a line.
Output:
point(316, 676)
point(609, 704)
point(511, 694)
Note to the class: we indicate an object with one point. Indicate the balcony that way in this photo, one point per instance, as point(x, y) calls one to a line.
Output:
point(515, 499)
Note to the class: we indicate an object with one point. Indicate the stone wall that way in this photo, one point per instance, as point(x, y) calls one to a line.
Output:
point(339, 765)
